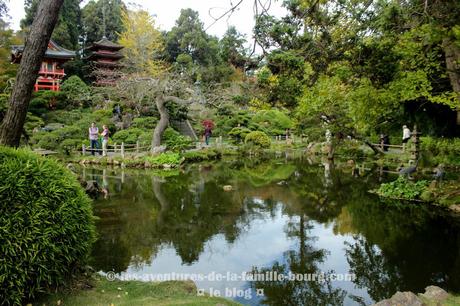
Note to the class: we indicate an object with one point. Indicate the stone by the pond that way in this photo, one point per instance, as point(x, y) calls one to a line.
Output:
point(455, 208)
point(91, 187)
point(228, 188)
point(166, 166)
point(435, 294)
point(158, 150)
point(406, 298)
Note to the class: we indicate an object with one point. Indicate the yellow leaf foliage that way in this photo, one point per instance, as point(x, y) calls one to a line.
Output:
point(143, 43)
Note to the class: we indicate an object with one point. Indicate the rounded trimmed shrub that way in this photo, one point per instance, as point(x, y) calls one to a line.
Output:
point(258, 139)
point(46, 225)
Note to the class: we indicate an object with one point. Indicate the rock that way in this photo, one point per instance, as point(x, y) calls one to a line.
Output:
point(158, 150)
point(92, 188)
point(406, 298)
point(166, 166)
point(71, 167)
point(433, 184)
point(435, 294)
point(455, 208)
point(147, 164)
point(228, 188)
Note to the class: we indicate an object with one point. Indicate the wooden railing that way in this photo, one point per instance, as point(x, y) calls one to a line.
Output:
point(121, 149)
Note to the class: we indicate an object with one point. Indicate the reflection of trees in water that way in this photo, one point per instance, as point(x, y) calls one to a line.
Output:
point(372, 269)
point(402, 247)
point(302, 260)
point(407, 247)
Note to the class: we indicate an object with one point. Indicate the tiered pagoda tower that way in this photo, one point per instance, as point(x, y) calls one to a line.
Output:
point(52, 70)
point(104, 58)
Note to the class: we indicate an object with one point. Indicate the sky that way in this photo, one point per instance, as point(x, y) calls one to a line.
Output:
point(167, 11)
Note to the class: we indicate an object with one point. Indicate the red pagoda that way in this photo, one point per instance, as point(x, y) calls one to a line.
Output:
point(104, 57)
point(52, 70)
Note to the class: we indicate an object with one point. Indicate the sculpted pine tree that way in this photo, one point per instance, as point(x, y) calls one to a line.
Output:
point(161, 91)
point(34, 50)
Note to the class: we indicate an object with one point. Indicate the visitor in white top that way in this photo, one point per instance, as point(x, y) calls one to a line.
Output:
point(406, 136)
point(93, 137)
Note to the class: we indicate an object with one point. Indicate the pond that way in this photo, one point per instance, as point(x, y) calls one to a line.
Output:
point(314, 224)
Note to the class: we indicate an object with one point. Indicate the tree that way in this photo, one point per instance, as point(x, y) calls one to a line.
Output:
point(161, 90)
point(34, 50)
point(143, 43)
point(7, 71)
point(68, 28)
point(188, 37)
point(102, 18)
point(231, 48)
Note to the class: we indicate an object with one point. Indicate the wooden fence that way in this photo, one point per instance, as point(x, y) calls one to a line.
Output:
point(115, 149)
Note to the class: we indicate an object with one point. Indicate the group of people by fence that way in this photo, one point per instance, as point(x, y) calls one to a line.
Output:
point(95, 138)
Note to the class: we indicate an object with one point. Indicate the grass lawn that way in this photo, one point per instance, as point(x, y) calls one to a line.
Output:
point(119, 293)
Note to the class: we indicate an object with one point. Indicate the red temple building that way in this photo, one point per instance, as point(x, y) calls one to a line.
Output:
point(104, 56)
point(52, 70)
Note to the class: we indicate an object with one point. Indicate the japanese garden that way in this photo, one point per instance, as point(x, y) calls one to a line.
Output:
point(274, 152)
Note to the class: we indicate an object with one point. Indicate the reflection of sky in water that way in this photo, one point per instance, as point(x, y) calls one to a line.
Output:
point(336, 259)
point(263, 243)
point(334, 217)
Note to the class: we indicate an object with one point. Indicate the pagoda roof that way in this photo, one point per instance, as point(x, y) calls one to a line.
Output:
point(54, 51)
point(101, 55)
point(104, 43)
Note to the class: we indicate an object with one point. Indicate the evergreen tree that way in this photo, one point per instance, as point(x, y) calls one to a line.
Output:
point(102, 18)
point(68, 29)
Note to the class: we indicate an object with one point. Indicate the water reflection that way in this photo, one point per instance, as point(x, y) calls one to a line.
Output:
point(283, 215)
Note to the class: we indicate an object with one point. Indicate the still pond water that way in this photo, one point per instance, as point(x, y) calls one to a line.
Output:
point(289, 217)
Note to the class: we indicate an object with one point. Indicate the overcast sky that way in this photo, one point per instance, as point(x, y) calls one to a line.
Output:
point(167, 11)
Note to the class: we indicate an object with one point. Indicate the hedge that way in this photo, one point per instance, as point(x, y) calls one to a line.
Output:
point(46, 225)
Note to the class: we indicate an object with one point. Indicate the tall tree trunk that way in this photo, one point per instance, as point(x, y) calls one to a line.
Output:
point(162, 124)
point(452, 55)
point(34, 50)
point(164, 118)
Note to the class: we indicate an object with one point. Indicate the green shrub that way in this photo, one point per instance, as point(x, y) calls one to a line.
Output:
point(66, 117)
point(77, 93)
point(38, 106)
point(52, 140)
point(169, 158)
point(273, 122)
point(239, 133)
point(258, 139)
point(4, 98)
point(201, 155)
point(44, 100)
point(70, 145)
point(32, 122)
point(145, 123)
point(175, 141)
point(442, 150)
point(441, 146)
point(129, 136)
point(403, 189)
point(46, 225)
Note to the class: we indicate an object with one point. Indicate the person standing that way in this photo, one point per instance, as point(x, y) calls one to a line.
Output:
point(207, 134)
point(93, 137)
point(105, 139)
point(406, 136)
